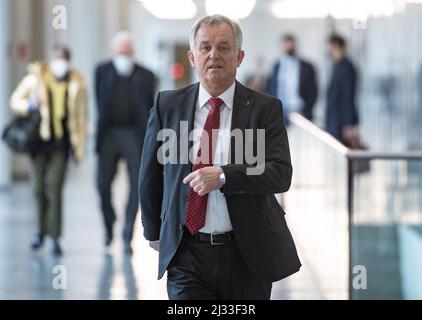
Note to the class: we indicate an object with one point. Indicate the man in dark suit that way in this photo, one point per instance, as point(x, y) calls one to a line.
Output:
point(214, 218)
point(293, 80)
point(341, 118)
point(125, 94)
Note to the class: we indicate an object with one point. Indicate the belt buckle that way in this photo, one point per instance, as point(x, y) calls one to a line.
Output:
point(216, 243)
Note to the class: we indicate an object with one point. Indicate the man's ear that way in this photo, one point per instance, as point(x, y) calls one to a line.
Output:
point(240, 57)
point(191, 59)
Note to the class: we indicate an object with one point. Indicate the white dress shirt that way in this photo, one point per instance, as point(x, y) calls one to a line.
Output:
point(217, 219)
point(288, 83)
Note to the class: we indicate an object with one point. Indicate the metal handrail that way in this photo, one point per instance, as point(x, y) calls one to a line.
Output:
point(351, 154)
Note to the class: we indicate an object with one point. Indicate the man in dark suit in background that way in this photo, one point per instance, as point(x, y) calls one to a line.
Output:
point(219, 230)
point(125, 94)
point(293, 81)
point(341, 118)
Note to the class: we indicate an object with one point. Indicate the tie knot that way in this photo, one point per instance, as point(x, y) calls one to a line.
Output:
point(216, 103)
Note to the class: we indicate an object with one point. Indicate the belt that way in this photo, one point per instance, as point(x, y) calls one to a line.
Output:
point(213, 238)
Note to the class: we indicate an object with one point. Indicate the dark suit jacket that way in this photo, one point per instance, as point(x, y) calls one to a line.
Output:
point(341, 108)
point(143, 82)
point(308, 88)
point(258, 220)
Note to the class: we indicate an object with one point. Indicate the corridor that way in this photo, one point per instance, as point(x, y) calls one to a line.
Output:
point(92, 271)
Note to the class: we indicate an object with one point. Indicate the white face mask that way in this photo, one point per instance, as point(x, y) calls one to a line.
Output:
point(124, 65)
point(59, 68)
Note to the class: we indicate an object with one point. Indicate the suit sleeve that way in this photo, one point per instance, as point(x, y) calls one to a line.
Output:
point(97, 84)
point(277, 169)
point(100, 73)
point(349, 114)
point(312, 92)
point(151, 94)
point(271, 84)
point(151, 178)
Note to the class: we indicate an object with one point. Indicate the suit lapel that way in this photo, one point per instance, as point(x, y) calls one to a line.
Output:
point(110, 77)
point(137, 87)
point(188, 107)
point(242, 106)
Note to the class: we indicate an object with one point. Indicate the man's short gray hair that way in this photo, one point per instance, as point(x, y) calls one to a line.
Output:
point(216, 20)
point(120, 37)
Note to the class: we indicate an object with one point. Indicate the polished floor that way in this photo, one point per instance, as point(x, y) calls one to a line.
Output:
point(87, 270)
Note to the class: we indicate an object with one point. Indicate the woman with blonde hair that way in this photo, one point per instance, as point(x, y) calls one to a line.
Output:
point(58, 92)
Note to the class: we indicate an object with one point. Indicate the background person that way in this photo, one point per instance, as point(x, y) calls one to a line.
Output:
point(58, 92)
point(341, 117)
point(125, 94)
point(293, 80)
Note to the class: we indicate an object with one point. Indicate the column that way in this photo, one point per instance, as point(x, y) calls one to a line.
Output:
point(5, 156)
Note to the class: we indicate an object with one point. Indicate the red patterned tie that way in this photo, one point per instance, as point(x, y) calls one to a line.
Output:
point(197, 205)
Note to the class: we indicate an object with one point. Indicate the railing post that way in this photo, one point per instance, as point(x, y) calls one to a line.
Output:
point(350, 189)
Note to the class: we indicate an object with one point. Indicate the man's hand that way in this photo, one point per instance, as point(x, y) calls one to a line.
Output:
point(155, 245)
point(204, 180)
point(349, 132)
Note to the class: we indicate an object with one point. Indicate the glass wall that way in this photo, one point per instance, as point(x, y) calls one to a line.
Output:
point(387, 229)
point(361, 234)
point(316, 207)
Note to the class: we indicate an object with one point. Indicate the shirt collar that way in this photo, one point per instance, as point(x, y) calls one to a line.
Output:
point(288, 59)
point(227, 96)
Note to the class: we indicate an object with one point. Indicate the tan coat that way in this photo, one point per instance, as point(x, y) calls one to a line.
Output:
point(33, 85)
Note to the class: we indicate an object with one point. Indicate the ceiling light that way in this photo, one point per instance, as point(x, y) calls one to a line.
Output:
point(170, 9)
point(234, 9)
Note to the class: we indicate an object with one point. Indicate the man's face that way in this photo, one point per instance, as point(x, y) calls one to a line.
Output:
point(215, 57)
point(335, 51)
point(124, 48)
point(289, 47)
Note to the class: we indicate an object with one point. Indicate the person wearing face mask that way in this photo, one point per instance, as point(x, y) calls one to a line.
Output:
point(124, 93)
point(293, 81)
point(58, 92)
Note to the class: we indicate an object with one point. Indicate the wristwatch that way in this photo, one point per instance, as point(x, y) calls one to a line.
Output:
point(222, 178)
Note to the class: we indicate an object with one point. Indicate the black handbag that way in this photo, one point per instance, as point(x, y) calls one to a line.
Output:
point(358, 166)
point(22, 133)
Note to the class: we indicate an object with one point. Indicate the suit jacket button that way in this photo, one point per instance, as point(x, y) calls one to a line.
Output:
point(181, 227)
